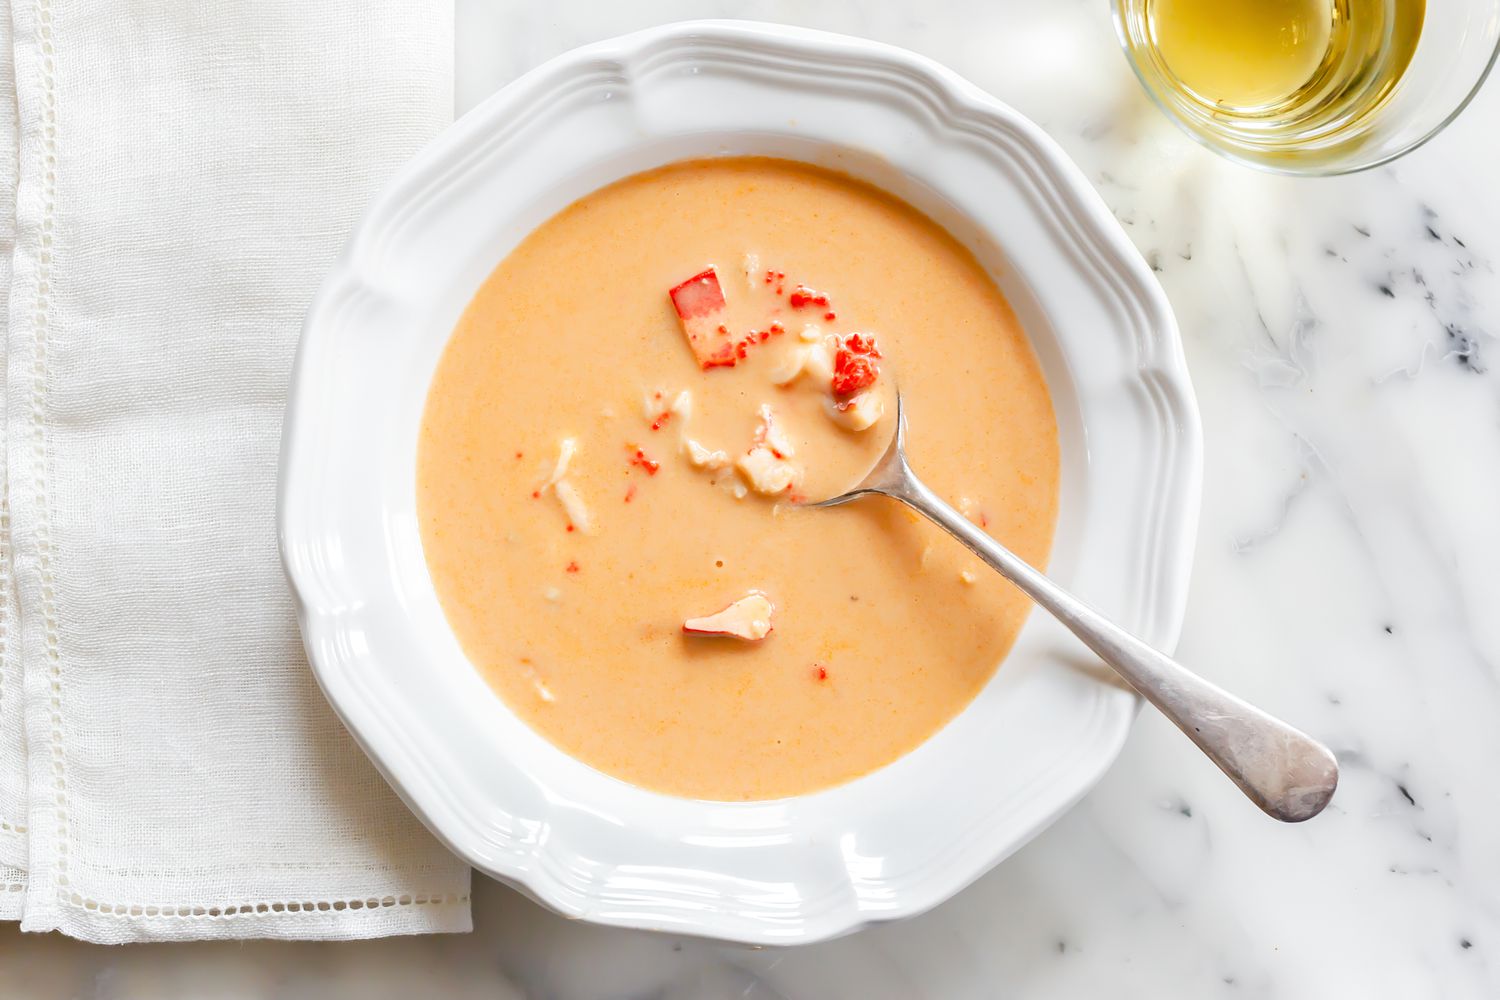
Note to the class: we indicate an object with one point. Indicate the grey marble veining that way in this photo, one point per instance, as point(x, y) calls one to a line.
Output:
point(1344, 338)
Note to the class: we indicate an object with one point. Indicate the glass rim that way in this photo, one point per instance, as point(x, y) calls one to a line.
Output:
point(1333, 169)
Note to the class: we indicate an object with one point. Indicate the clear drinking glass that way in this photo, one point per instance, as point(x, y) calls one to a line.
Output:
point(1357, 108)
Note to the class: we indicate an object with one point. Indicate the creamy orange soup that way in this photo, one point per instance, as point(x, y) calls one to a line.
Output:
point(618, 434)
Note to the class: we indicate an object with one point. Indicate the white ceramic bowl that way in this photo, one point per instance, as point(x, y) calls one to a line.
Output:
point(796, 870)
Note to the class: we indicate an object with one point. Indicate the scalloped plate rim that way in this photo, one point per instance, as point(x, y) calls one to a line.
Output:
point(1161, 366)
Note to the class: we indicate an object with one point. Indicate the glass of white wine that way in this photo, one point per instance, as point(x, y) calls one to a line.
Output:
point(1311, 86)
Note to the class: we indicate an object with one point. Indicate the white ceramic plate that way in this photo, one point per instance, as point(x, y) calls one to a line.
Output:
point(796, 870)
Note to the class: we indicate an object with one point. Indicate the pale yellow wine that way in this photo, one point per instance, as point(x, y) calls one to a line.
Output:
point(1265, 56)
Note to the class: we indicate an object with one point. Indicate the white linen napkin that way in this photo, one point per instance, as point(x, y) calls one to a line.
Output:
point(186, 172)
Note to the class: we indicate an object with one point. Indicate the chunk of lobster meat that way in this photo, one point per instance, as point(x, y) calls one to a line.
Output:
point(573, 506)
point(791, 366)
point(855, 364)
point(812, 355)
point(769, 432)
point(766, 472)
point(748, 618)
point(699, 302)
point(565, 452)
point(817, 362)
point(701, 457)
point(857, 413)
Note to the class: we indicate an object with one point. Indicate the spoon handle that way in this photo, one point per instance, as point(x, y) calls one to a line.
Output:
point(1287, 773)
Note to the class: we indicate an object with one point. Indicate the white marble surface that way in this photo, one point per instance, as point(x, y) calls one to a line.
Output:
point(1343, 338)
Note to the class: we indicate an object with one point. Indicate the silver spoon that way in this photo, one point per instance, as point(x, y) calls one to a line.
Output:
point(1286, 772)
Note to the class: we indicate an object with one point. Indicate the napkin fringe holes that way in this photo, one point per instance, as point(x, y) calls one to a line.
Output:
point(41, 319)
point(137, 910)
